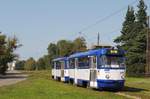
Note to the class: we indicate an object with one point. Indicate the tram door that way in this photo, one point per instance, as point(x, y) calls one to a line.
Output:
point(62, 69)
point(93, 69)
point(76, 71)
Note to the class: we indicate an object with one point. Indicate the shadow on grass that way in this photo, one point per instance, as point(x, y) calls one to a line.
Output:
point(133, 89)
point(125, 89)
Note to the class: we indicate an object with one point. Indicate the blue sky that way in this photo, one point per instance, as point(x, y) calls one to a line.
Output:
point(36, 23)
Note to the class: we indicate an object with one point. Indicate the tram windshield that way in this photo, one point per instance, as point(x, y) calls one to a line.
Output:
point(112, 61)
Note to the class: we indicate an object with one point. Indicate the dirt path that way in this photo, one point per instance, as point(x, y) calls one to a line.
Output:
point(12, 77)
point(128, 96)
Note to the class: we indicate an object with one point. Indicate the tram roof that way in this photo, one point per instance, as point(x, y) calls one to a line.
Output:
point(101, 51)
point(89, 53)
point(60, 59)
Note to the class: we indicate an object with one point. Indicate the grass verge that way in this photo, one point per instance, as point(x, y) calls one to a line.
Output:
point(40, 86)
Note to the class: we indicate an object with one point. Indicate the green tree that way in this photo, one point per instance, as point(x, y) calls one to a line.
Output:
point(52, 50)
point(79, 44)
point(133, 39)
point(142, 15)
point(127, 29)
point(3, 66)
point(64, 47)
point(138, 50)
point(137, 54)
point(47, 61)
point(40, 64)
point(30, 64)
point(20, 65)
point(43, 63)
point(7, 48)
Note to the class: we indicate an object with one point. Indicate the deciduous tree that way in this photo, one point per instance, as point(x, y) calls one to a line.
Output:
point(7, 48)
point(30, 64)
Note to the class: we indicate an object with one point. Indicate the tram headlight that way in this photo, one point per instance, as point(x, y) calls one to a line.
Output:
point(107, 76)
point(123, 76)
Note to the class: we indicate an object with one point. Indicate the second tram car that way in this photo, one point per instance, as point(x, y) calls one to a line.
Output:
point(60, 70)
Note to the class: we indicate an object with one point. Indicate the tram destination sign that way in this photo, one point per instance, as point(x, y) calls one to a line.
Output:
point(114, 52)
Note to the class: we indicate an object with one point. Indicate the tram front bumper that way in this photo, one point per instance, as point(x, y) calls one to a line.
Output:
point(110, 84)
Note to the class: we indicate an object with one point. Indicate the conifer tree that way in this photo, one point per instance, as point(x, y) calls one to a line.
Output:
point(142, 14)
point(133, 39)
point(127, 27)
point(138, 48)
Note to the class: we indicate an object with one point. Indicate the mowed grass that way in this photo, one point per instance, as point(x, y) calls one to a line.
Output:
point(40, 86)
point(139, 87)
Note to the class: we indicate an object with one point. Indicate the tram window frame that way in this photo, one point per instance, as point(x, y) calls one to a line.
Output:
point(65, 65)
point(93, 61)
point(82, 65)
point(101, 61)
point(62, 64)
point(71, 63)
point(58, 65)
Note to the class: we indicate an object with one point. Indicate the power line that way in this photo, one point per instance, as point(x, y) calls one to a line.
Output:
point(104, 18)
point(108, 37)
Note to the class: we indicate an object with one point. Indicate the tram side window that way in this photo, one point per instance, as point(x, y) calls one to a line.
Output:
point(72, 63)
point(65, 65)
point(83, 62)
point(62, 64)
point(94, 61)
point(58, 65)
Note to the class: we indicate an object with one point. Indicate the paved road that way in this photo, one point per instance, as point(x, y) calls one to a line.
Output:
point(12, 77)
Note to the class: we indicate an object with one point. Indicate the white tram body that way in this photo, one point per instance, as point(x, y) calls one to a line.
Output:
point(52, 72)
point(59, 70)
point(100, 68)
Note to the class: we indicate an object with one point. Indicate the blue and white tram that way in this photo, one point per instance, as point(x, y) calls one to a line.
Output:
point(60, 70)
point(101, 68)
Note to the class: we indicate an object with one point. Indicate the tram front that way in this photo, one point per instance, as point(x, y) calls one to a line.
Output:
point(111, 69)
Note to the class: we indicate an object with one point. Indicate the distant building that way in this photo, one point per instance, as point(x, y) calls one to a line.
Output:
point(12, 65)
